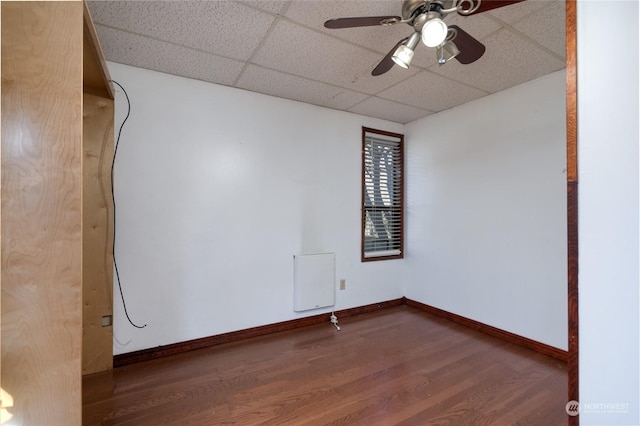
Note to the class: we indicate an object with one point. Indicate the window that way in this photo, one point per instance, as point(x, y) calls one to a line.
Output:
point(382, 195)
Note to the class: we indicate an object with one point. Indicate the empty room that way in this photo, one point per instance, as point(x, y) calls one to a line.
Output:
point(319, 212)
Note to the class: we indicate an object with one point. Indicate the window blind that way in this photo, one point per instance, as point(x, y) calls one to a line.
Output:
point(382, 195)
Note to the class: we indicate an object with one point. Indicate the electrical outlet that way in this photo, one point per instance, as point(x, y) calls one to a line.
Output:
point(343, 284)
point(107, 320)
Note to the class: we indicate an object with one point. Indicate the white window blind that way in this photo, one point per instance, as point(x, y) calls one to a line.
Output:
point(382, 195)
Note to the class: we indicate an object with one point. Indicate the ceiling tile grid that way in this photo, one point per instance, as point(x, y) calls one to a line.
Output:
point(542, 27)
point(519, 11)
point(281, 48)
point(145, 52)
point(275, 83)
point(297, 50)
point(226, 28)
point(430, 91)
point(507, 62)
point(274, 6)
point(389, 110)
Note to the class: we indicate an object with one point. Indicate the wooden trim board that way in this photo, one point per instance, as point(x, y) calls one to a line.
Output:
point(205, 342)
point(97, 234)
point(96, 79)
point(572, 204)
point(492, 331)
point(234, 336)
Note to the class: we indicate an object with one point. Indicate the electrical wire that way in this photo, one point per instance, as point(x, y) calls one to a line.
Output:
point(113, 197)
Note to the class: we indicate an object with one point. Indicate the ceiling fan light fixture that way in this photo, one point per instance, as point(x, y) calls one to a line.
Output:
point(403, 56)
point(447, 51)
point(434, 32)
point(404, 53)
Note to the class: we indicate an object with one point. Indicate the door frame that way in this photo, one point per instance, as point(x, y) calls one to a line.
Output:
point(572, 205)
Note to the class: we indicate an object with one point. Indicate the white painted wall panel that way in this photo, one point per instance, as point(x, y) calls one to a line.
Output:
point(608, 215)
point(216, 189)
point(486, 211)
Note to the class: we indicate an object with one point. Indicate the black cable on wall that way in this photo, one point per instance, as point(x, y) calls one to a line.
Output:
point(113, 197)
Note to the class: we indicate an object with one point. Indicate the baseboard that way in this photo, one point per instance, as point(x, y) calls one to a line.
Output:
point(234, 336)
point(492, 331)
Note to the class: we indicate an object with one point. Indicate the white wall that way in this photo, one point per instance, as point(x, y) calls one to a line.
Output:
point(486, 211)
point(216, 190)
point(608, 214)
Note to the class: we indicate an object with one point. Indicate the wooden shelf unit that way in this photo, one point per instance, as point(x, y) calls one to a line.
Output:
point(57, 138)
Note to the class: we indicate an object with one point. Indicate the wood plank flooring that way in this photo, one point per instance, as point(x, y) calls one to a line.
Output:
point(399, 366)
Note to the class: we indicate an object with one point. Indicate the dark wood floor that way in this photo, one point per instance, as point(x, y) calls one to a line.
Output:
point(398, 366)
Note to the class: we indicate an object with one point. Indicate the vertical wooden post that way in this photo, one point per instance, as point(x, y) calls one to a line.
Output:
point(572, 204)
point(41, 240)
point(97, 234)
point(97, 206)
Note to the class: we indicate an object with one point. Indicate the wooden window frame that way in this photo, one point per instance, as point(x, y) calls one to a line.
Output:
point(400, 137)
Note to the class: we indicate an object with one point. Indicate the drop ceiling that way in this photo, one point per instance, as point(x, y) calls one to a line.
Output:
point(281, 48)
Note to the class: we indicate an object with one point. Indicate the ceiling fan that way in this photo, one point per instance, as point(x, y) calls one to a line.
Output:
point(426, 18)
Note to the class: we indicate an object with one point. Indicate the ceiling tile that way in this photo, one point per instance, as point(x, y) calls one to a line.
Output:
point(479, 26)
point(271, 6)
point(287, 52)
point(144, 52)
point(515, 12)
point(219, 27)
point(313, 14)
point(541, 24)
point(508, 61)
point(431, 91)
point(288, 86)
point(389, 110)
point(293, 49)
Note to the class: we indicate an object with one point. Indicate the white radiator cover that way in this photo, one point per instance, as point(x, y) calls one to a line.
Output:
point(314, 277)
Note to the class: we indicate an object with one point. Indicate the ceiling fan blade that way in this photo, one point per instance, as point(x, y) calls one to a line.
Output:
point(363, 21)
point(387, 63)
point(486, 5)
point(470, 49)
